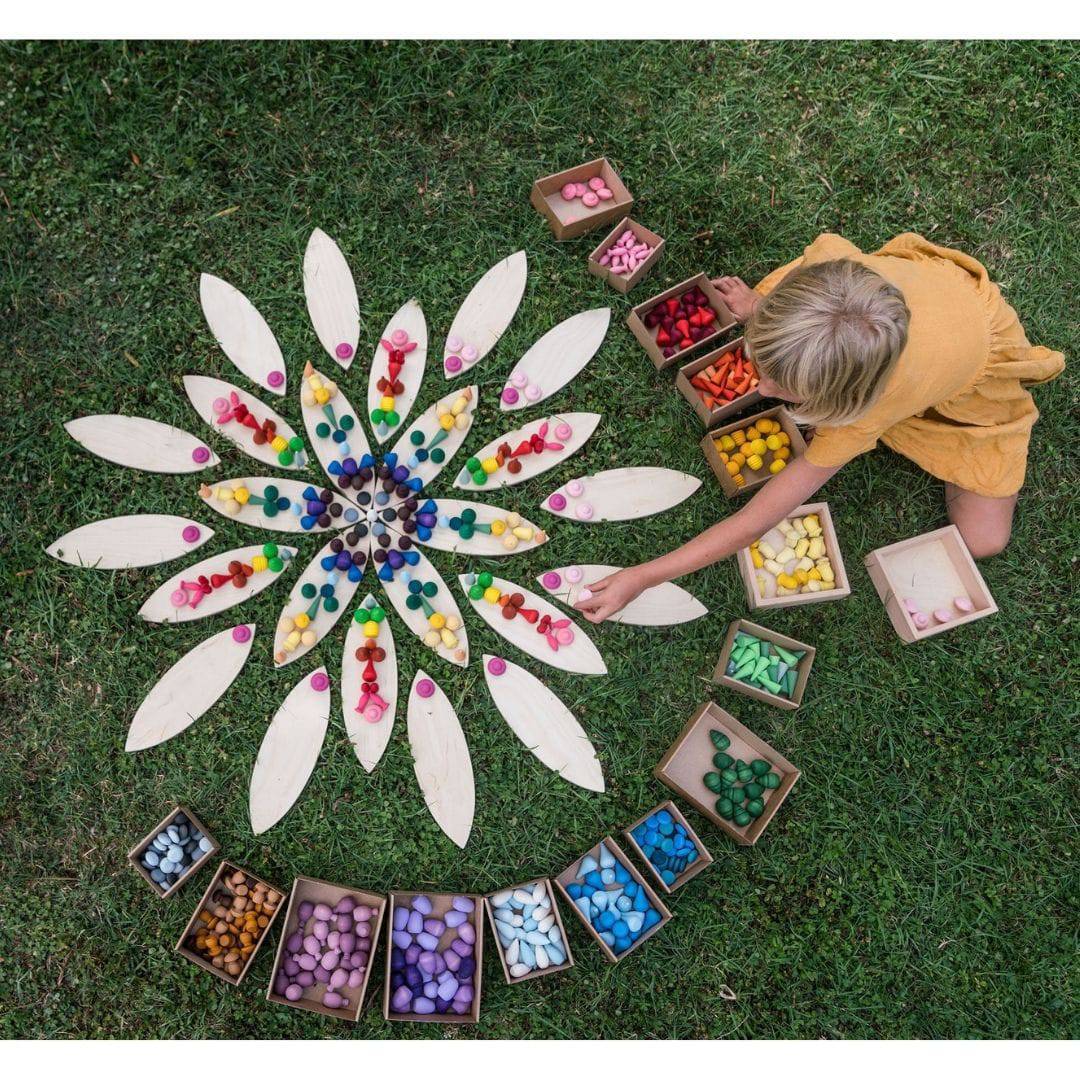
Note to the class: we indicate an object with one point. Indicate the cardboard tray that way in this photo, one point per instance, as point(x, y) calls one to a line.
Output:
point(440, 905)
point(703, 860)
point(712, 417)
point(558, 922)
point(636, 320)
point(161, 826)
point(931, 569)
point(755, 692)
point(625, 282)
point(569, 220)
point(690, 758)
point(570, 875)
point(763, 476)
point(227, 867)
point(841, 587)
point(317, 891)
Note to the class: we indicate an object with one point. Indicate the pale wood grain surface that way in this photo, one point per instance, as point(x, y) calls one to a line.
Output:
point(122, 543)
point(139, 443)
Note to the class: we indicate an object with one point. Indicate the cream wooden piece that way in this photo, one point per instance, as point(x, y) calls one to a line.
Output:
point(486, 544)
point(326, 450)
point(428, 423)
point(660, 605)
point(626, 494)
point(284, 521)
point(191, 687)
point(544, 725)
point(441, 761)
point(289, 752)
point(138, 443)
point(243, 334)
point(369, 740)
point(123, 543)
point(444, 602)
point(410, 318)
point(331, 296)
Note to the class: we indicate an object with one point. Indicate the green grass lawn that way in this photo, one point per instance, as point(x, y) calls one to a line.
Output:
point(921, 881)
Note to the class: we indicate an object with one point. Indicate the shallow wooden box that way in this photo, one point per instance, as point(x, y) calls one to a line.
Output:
point(765, 634)
point(146, 841)
point(558, 922)
point(625, 282)
point(227, 867)
point(571, 219)
point(569, 875)
point(440, 905)
point(325, 892)
point(841, 587)
point(636, 320)
point(703, 860)
point(711, 417)
point(930, 569)
point(690, 758)
point(763, 476)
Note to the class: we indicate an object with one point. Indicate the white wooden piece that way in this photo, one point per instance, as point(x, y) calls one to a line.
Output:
point(203, 391)
point(369, 739)
point(666, 604)
point(285, 521)
point(443, 602)
point(324, 620)
point(139, 443)
point(580, 656)
point(582, 425)
point(410, 318)
point(544, 725)
point(122, 543)
point(444, 538)
point(441, 760)
point(428, 423)
point(189, 688)
point(289, 751)
point(331, 297)
point(623, 494)
point(488, 310)
point(159, 607)
point(243, 334)
point(557, 357)
point(326, 450)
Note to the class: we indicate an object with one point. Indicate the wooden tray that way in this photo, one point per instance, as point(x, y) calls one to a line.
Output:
point(558, 922)
point(571, 219)
point(147, 840)
point(723, 679)
point(636, 320)
point(703, 860)
point(712, 417)
point(762, 476)
point(625, 282)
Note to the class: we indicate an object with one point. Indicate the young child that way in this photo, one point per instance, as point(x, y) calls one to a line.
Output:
point(912, 346)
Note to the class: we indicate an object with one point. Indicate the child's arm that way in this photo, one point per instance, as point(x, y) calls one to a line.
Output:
point(769, 506)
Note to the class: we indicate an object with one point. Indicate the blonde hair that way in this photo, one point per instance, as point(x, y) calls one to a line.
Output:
point(829, 335)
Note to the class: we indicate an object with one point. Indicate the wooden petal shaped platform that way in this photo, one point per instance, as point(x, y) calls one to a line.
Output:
point(122, 543)
point(260, 508)
point(190, 687)
point(406, 331)
point(621, 494)
point(427, 436)
point(138, 443)
point(442, 602)
point(334, 429)
point(369, 715)
point(331, 298)
point(243, 334)
point(441, 758)
point(661, 605)
point(443, 537)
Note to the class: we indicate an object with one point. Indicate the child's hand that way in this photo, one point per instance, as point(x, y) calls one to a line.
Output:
point(738, 296)
point(611, 594)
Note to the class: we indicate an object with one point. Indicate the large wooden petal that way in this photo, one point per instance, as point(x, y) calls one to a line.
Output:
point(369, 728)
point(666, 604)
point(334, 456)
point(242, 333)
point(289, 751)
point(427, 424)
point(487, 311)
point(553, 430)
point(203, 391)
point(122, 543)
point(441, 759)
point(580, 656)
point(139, 443)
point(443, 602)
point(543, 723)
point(621, 494)
point(331, 298)
point(410, 320)
point(190, 687)
point(160, 608)
point(555, 359)
point(219, 497)
point(444, 538)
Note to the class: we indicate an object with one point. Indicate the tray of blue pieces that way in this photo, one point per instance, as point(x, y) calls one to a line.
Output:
point(668, 846)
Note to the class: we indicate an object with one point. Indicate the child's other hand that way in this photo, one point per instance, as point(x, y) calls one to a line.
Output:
point(611, 594)
point(738, 296)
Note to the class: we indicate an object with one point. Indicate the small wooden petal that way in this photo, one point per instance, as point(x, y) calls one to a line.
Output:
point(543, 723)
point(443, 538)
point(580, 656)
point(242, 333)
point(666, 604)
point(443, 602)
point(621, 494)
point(203, 391)
point(122, 543)
point(428, 425)
point(488, 310)
point(410, 318)
point(190, 687)
point(331, 298)
point(331, 454)
point(556, 358)
point(139, 443)
point(289, 751)
point(369, 739)
point(441, 759)
point(160, 608)
point(216, 496)
point(581, 424)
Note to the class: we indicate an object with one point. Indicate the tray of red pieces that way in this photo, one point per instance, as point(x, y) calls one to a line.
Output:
point(679, 319)
point(719, 384)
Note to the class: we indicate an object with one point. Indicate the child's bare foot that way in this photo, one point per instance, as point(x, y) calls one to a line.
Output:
point(738, 296)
